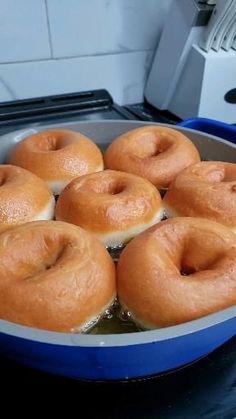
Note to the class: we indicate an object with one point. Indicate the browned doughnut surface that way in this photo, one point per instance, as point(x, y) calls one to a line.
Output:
point(23, 197)
point(113, 205)
point(57, 156)
point(207, 190)
point(153, 152)
point(177, 271)
point(54, 276)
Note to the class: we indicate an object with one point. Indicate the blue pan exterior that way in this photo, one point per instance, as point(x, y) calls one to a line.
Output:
point(218, 128)
point(117, 362)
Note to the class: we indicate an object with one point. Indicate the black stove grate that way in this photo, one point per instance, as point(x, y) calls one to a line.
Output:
point(90, 105)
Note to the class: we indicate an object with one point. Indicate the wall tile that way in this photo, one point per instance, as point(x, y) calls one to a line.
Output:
point(23, 30)
point(87, 27)
point(123, 75)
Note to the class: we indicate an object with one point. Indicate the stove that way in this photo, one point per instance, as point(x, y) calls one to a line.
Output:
point(206, 389)
point(83, 106)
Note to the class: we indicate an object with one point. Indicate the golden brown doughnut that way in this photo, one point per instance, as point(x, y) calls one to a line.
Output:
point(177, 271)
point(207, 190)
point(54, 276)
point(23, 197)
point(156, 153)
point(115, 206)
point(57, 156)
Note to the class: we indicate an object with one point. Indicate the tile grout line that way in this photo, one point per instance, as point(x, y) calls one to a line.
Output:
point(70, 57)
point(49, 29)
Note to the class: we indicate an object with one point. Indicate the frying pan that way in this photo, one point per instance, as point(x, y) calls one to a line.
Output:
point(122, 356)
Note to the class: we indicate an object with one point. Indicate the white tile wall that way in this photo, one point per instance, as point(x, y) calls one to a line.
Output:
point(123, 75)
point(58, 46)
point(104, 26)
point(23, 30)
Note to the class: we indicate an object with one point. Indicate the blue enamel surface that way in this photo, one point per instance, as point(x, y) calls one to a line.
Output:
point(118, 362)
point(213, 127)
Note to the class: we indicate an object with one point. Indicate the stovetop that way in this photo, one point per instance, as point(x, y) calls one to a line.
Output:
point(91, 105)
point(207, 389)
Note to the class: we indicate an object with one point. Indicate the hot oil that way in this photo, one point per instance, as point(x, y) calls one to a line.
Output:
point(114, 321)
point(115, 252)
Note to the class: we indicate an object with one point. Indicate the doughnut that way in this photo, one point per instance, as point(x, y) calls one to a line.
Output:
point(57, 156)
point(154, 152)
point(54, 276)
point(23, 197)
point(206, 190)
point(115, 206)
point(179, 270)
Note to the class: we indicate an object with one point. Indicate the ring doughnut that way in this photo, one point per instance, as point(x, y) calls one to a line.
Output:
point(115, 206)
point(23, 197)
point(57, 156)
point(178, 271)
point(207, 190)
point(54, 276)
point(153, 152)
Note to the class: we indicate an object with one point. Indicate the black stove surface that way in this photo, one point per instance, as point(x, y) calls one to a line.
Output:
point(206, 389)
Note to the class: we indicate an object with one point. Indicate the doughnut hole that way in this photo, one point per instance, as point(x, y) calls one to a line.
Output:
point(51, 142)
point(155, 144)
point(106, 185)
